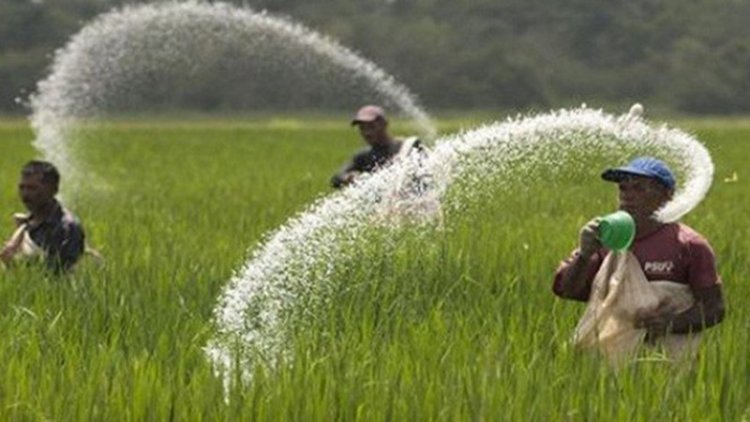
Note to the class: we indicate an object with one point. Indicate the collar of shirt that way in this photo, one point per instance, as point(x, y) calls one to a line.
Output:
point(53, 217)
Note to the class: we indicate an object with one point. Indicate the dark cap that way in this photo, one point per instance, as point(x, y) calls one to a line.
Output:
point(368, 113)
point(643, 166)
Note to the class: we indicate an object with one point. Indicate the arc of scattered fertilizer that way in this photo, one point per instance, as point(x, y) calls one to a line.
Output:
point(253, 309)
point(94, 61)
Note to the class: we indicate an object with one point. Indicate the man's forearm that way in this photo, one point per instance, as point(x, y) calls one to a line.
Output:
point(7, 254)
point(5, 259)
point(695, 319)
point(707, 311)
point(574, 283)
point(336, 181)
point(13, 245)
point(339, 180)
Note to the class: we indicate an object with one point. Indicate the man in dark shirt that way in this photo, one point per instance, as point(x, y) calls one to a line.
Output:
point(373, 127)
point(49, 231)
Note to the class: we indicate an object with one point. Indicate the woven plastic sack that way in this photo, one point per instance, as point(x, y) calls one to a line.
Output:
point(620, 297)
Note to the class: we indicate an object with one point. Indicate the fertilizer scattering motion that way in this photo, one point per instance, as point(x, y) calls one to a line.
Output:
point(113, 62)
point(128, 59)
point(256, 308)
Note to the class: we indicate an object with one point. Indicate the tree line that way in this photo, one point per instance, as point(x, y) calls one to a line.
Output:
point(685, 55)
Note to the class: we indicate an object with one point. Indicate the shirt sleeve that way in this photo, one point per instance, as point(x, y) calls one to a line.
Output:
point(592, 267)
point(355, 164)
point(702, 271)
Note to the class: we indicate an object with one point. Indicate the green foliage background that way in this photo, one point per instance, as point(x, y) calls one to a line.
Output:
point(682, 55)
point(452, 325)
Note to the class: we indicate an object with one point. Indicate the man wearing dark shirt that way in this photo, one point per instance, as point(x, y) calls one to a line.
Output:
point(373, 127)
point(49, 231)
point(665, 251)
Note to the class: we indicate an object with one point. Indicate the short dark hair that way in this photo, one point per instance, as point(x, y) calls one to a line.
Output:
point(49, 172)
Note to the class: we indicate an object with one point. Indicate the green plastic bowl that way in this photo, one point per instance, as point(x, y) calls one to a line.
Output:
point(617, 231)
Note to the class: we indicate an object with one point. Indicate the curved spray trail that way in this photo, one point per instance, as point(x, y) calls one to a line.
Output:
point(256, 309)
point(136, 49)
point(99, 65)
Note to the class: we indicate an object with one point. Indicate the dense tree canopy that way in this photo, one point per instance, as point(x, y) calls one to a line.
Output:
point(687, 55)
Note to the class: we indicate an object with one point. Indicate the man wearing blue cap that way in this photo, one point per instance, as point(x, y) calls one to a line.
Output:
point(666, 251)
point(383, 148)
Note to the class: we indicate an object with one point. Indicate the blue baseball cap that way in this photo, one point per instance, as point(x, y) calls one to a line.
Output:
point(643, 166)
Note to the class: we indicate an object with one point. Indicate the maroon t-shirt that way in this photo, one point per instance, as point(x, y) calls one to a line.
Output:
point(674, 252)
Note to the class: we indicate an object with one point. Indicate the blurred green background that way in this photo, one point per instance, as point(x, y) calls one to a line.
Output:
point(686, 56)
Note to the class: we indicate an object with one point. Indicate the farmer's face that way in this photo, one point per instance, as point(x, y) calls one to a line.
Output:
point(373, 132)
point(642, 196)
point(34, 192)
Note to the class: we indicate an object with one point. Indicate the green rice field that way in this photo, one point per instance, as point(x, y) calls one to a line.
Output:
point(452, 325)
